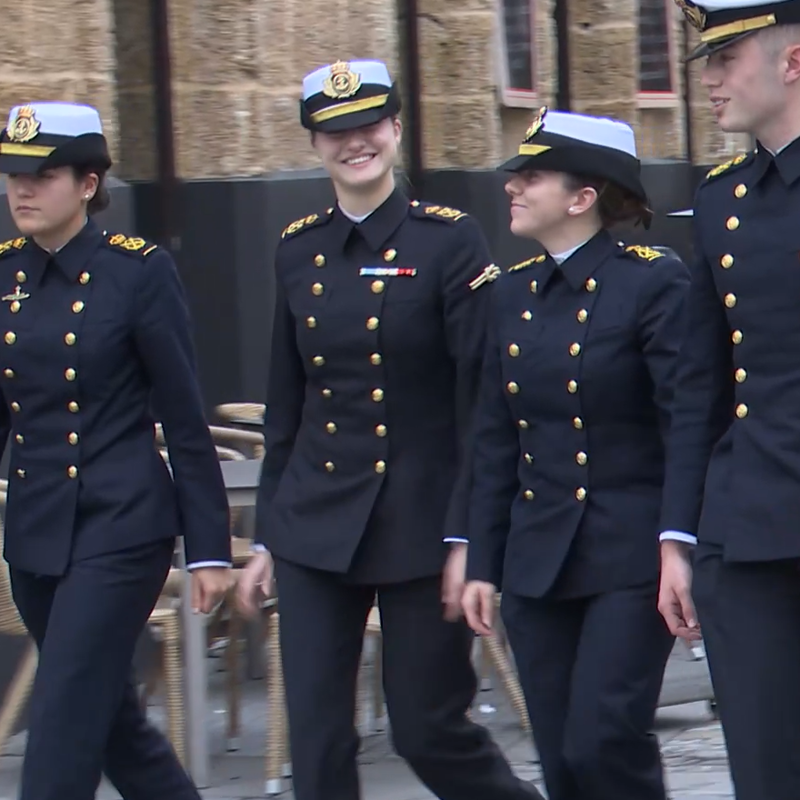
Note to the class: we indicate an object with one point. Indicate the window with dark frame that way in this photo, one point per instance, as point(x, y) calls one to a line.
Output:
point(518, 32)
point(655, 62)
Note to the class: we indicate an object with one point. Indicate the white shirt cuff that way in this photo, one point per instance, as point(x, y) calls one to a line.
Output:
point(456, 540)
point(677, 536)
point(203, 564)
point(258, 548)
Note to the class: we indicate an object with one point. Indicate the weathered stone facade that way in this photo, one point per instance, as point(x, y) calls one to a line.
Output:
point(237, 67)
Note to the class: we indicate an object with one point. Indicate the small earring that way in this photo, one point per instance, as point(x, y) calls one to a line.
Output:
point(86, 196)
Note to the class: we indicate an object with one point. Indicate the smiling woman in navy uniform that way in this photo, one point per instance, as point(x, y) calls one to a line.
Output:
point(94, 330)
point(569, 459)
point(376, 350)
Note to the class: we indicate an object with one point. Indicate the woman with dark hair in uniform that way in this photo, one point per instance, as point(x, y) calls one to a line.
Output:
point(96, 348)
point(569, 458)
point(376, 349)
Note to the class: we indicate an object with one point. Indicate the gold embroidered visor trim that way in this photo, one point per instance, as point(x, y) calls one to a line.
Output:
point(735, 28)
point(532, 149)
point(34, 150)
point(349, 108)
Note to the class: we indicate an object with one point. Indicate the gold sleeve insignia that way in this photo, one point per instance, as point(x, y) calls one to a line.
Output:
point(11, 246)
point(720, 168)
point(527, 263)
point(133, 244)
point(489, 274)
point(643, 252)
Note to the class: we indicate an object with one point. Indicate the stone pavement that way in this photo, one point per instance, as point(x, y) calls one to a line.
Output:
point(693, 749)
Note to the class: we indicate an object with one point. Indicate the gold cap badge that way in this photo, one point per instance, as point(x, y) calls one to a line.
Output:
point(536, 125)
point(695, 15)
point(342, 82)
point(25, 125)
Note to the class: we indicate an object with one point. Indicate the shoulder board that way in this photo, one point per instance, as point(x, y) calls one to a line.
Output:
point(444, 213)
point(130, 244)
point(302, 224)
point(12, 246)
point(643, 252)
point(734, 162)
point(527, 263)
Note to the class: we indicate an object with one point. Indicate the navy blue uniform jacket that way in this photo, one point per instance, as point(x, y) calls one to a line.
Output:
point(376, 355)
point(569, 437)
point(92, 339)
point(733, 476)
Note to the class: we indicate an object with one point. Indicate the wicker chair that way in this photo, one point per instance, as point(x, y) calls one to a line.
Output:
point(252, 412)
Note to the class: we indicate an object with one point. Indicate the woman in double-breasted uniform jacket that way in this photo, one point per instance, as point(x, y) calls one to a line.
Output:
point(95, 347)
point(569, 459)
point(376, 350)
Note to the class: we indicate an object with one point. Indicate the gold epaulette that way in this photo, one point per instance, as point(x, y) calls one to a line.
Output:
point(304, 223)
point(489, 275)
point(644, 252)
point(522, 264)
point(720, 168)
point(438, 212)
point(12, 246)
point(131, 244)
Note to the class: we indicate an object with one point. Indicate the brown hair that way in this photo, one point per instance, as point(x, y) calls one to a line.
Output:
point(614, 204)
point(101, 199)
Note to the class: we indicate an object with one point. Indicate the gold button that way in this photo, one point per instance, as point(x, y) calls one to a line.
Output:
point(70, 338)
point(372, 324)
point(330, 466)
point(577, 423)
point(318, 361)
point(20, 438)
point(730, 300)
point(317, 289)
point(726, 262)
point(513, 350)
point(534, 286)
point(319, 260)
point(15, 306)
point(527, 316)
point(591, 285)
point(523, 424)
point(311, 322)
point(21, 277)
point(377, 287)
point(572, 387)
point(740, 191)
point(732, 223)
point(741, 375)
point(72, 472)
point(512, 387)
point(742, 411)
point(390, 254)
point(581, 458)
point(331, 427)
point(574, 349)
point(380, 467)
point(582, 315)
point(528, 494)
point(84, 278)
point(375, 359)
point(528, 458)
point(377, 395)
point(380, 430)
point(580, 493)
point(10, 337)
point(327, 393)
point(70, 374)
point(21, 473)
point(73, 438)
point(9, 373)
point(78, 306)
point(73, 407)
point(15, 406)
point(736, 337)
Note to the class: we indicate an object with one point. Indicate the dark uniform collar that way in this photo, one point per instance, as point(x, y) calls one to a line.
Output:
point(377, 228)
point(71, 259)
point(583, 262)
point(787, 162)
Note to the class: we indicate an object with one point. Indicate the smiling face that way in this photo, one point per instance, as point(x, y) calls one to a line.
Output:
point(362, 159)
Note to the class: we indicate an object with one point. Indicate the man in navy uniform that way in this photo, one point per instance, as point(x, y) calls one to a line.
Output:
point(732, 491)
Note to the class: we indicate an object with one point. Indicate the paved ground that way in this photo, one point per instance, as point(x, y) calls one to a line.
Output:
point(694, 753)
